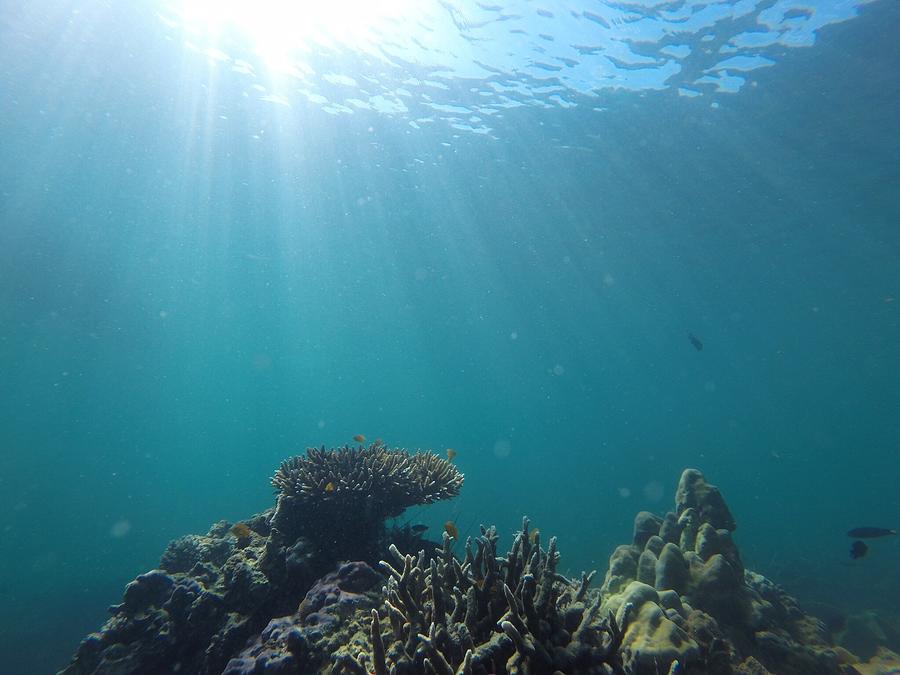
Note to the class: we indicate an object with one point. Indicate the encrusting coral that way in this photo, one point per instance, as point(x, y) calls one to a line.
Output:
point(341, 498)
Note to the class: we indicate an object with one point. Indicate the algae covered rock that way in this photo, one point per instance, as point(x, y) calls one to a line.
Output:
point(623, 566)
point(646, 525)
point(700, 607)
point(653, 642)
point(694, 492)
point(215, 592)
point(325, 623)
point(269, 595)
point(671, 571)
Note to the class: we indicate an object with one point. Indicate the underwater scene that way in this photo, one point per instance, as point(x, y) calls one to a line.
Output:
point(450, 336)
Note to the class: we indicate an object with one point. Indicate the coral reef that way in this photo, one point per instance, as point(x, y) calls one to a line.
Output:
point(683, 592)
point(865, 633)
point(209, 596)
point(325, 622)
point(487, 614)
point(274, 593)
point(341, 498)
point(215, 592)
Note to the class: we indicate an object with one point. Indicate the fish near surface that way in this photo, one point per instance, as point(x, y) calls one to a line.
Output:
point(870, 532)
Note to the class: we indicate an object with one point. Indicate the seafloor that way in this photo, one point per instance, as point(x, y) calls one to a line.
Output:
point(318, 584)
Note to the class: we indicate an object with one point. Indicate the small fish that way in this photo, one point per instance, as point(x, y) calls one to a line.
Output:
point(378, 441)
point(418, 529)
point(359, 438)
point(534, 535)
point(450, 528)
point(240, 530)
point(870, 532)
point(329, 487)
point(451, 454)
point(696, 342)
point(858, 549)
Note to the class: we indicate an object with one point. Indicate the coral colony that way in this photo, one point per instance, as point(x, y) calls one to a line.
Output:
point(319, 583)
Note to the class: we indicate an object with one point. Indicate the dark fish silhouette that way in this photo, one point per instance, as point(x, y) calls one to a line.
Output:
point(858, 549)
point(870, 532)
point(696, 342)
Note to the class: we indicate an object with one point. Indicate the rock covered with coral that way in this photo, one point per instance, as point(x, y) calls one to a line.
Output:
point(332, 612)
point(487, 613)
point(275, 593)
point(209, 596)
point(683, 592)
point(212, 593)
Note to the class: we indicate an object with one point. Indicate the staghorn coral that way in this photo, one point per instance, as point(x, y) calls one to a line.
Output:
point(486, 614)
point(340, 498)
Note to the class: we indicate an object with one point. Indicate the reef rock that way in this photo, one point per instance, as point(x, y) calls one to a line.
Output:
point(324, 623)
point(208, 597)
point(212, 593)
point(704, 610)
point(653, 639)
point(244, 599)
point(694, 492)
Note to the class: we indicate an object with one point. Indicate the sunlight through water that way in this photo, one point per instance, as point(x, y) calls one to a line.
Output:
point(280, 31)
point(465, 62)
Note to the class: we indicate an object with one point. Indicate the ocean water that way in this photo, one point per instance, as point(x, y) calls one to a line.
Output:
point(230, 231)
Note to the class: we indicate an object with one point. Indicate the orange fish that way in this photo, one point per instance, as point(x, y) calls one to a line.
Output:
point(451, 454)
point(450, 529)
point(359, 438)
point(329, 487)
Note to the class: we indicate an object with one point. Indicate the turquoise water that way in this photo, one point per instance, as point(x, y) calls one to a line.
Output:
point(208, 264)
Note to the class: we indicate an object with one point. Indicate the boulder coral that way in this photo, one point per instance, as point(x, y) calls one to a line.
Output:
point(692, 605)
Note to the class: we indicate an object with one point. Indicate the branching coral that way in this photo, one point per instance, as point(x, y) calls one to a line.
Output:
point(391, 479)
point(340, 498)
point(488, 614)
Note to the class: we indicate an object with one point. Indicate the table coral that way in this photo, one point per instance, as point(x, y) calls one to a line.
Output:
point(340, 498)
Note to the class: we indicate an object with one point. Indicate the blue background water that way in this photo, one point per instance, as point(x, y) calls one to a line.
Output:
point(195, 284)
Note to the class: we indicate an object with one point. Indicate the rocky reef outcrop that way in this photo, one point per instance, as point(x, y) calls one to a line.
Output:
point(484, 614)
point(214, 593)
point(274, 594)
point(683, 591)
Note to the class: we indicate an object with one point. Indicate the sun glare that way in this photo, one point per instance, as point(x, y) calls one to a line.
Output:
point(278, 30)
